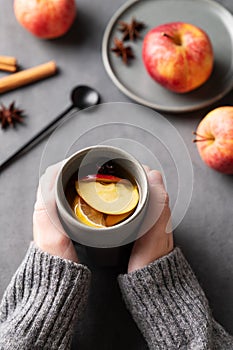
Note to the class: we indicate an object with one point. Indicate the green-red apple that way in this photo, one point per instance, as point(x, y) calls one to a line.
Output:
point(45, 18)
point(214, 138)
point(178, 55)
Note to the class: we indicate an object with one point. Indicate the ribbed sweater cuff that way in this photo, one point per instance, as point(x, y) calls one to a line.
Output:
point(41, 303)
point(167, 303)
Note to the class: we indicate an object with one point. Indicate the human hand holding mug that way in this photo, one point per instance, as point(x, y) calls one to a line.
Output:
point(50, 236)
point(158, 241)
point(48, 232)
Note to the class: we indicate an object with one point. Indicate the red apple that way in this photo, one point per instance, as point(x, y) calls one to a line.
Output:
point(178, 55)
point(45, 18)
point(215, 139)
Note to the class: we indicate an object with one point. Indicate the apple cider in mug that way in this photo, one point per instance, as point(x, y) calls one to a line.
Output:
point(102, 194)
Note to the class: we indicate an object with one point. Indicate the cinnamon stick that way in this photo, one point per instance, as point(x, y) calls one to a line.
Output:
point(27, 76)
point(8, 60)
point(8, 63)
point(8, 67)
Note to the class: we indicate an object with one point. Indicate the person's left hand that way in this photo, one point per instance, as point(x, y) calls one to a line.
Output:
point(48, 232)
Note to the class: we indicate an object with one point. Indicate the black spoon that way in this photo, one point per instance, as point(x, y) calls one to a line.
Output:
point(81, 96)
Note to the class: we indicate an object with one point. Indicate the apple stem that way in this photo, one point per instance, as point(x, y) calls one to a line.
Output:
point(203, 138)
point(176, 40)
point(195, 133)
point(200, 140)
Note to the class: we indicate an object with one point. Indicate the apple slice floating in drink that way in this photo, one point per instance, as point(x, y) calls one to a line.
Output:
point(102, 178)
point(112, 220)
point(91, 217)
point(108, 194)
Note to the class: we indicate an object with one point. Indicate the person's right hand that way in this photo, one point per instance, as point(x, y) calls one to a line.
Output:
point(158, 241)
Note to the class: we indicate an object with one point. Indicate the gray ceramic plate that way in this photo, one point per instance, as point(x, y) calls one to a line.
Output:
point(134, 81)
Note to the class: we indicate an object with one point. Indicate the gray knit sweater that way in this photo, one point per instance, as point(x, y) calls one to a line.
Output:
point(47, 295)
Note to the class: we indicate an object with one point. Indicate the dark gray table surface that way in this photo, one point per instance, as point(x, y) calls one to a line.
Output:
point(205, 234)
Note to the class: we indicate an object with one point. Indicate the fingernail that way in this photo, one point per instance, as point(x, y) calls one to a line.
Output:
point(146, 168)
point(155, 177)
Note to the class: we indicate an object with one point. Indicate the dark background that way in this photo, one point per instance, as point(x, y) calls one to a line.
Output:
point(205, 234)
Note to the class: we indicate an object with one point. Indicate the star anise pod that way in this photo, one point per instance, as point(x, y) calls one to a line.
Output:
point(10, 115)
point(125, 52)
point(131, 31)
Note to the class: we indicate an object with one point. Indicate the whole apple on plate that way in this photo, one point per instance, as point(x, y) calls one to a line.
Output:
point(45, 19)
point(214, 138)
point(178, 55)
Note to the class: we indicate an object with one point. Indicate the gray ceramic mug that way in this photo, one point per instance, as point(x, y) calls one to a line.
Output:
point(109, 237)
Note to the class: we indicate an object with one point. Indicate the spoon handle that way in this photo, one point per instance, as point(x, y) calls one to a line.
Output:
point(35, 139)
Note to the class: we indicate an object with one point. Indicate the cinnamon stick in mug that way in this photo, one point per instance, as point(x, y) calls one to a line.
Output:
point(27, 76)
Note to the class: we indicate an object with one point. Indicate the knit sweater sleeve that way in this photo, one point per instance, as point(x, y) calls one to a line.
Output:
point(170, 308)
point(42, 302)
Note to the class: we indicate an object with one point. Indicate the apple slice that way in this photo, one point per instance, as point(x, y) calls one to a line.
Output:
point(101, 178)
point(108, 197)
point(112, 220)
